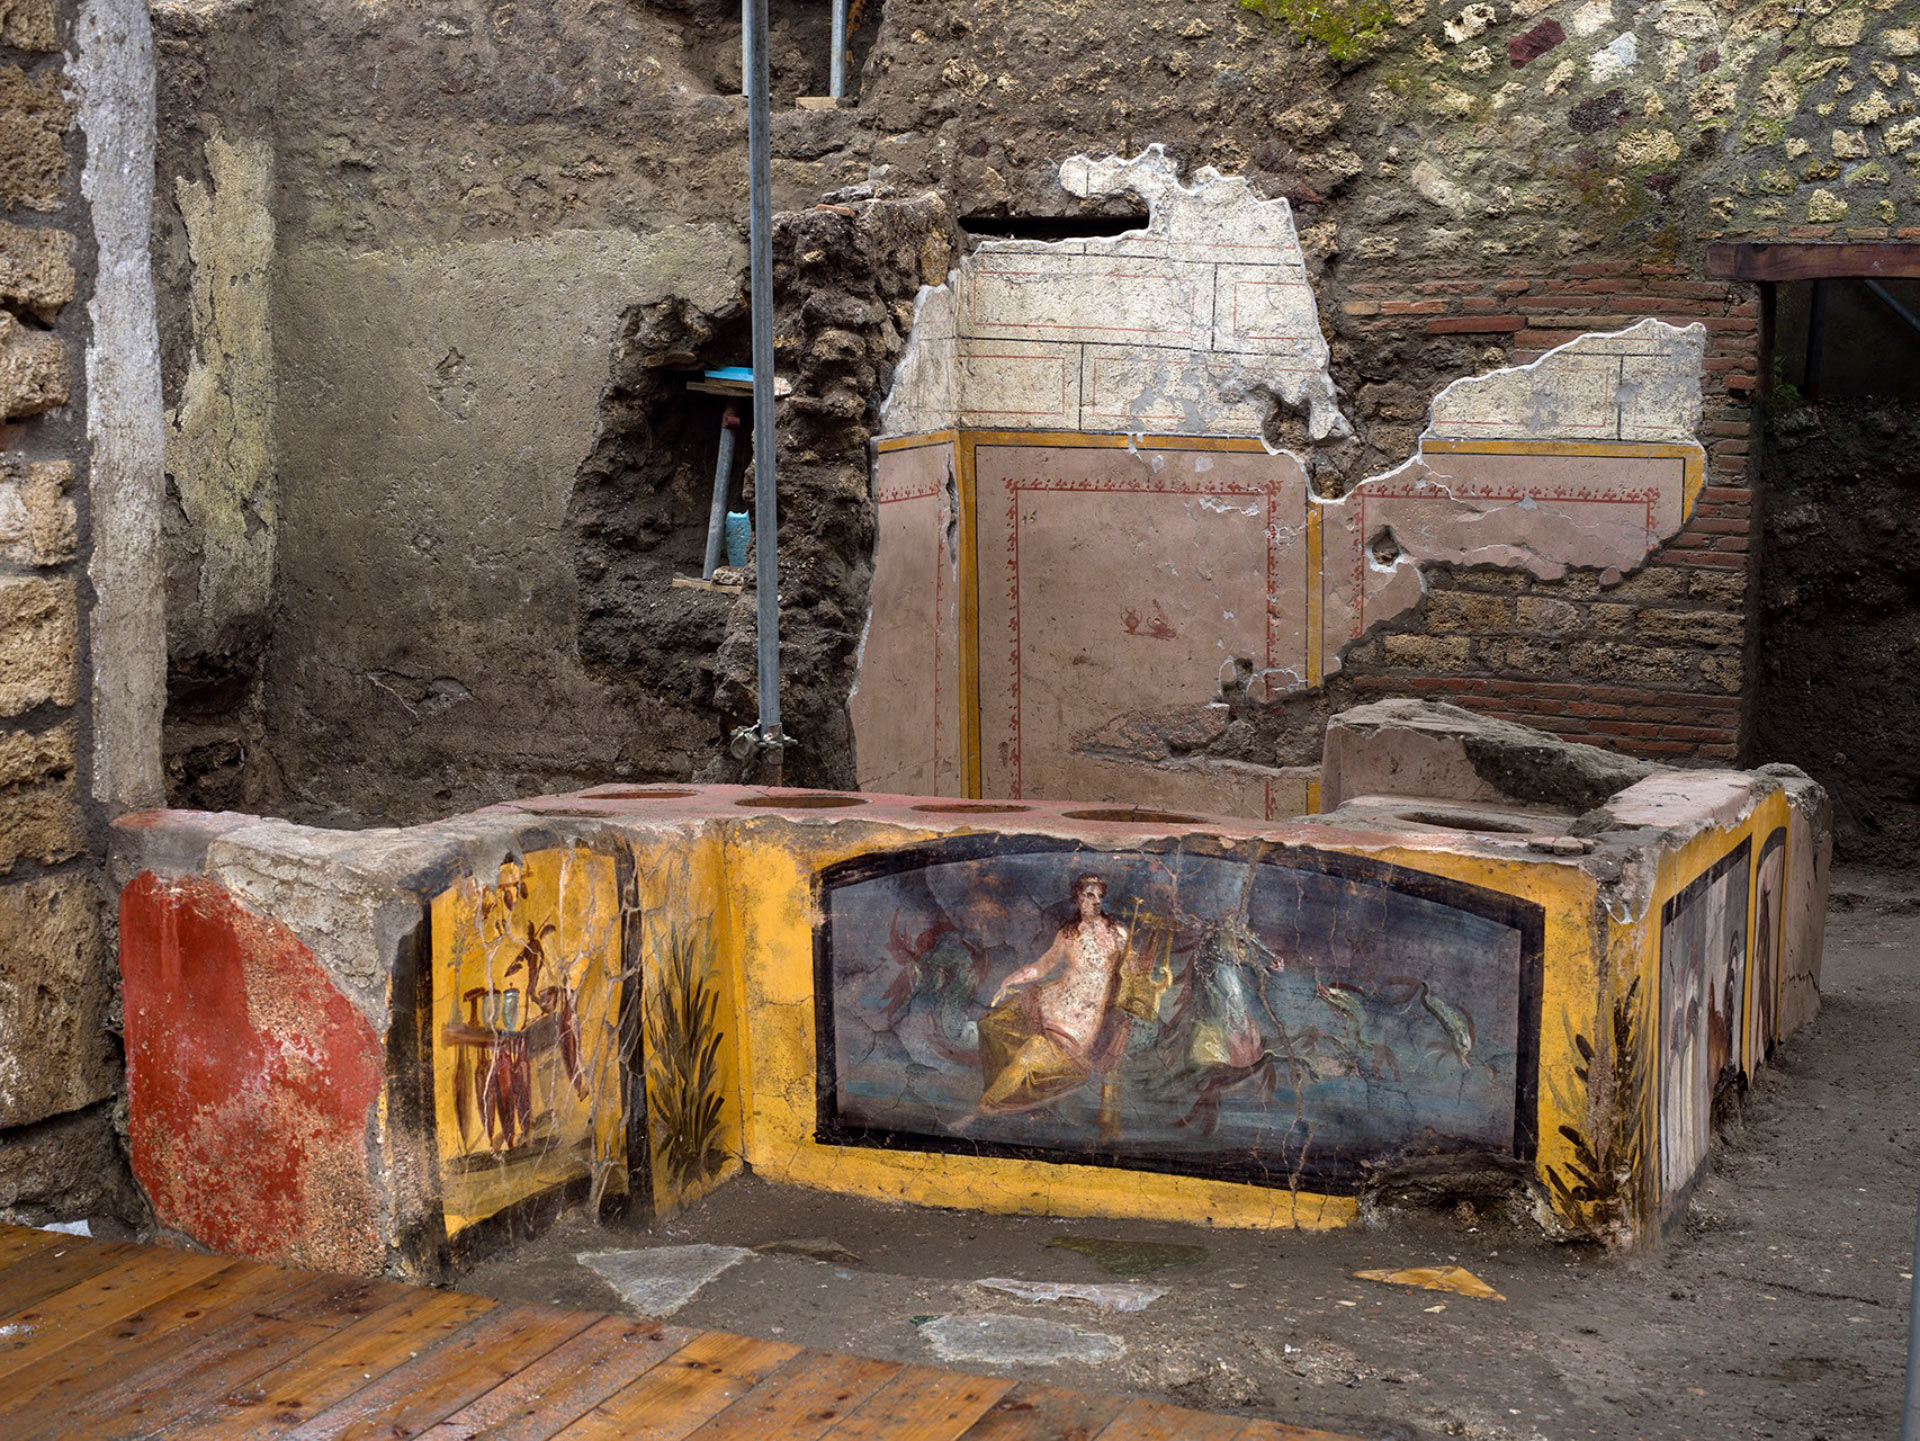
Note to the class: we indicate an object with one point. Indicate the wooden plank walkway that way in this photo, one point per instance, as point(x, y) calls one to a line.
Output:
point(102, 1339)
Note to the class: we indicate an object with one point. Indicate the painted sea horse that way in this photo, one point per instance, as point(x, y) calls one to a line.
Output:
point(1212, 1040)
point(940, 969)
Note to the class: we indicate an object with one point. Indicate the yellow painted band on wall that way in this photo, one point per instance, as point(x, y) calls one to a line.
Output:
point(966, 442)
point(967, 541)
point(1693, 457)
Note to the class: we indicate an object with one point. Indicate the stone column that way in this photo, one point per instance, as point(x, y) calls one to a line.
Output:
point(80, 696)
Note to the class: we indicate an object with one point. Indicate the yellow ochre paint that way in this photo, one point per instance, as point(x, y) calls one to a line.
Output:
point(525, 1032)
point(966, 443)
point(771, 865)
point(685, 934)
point(738, 896)
point(1677, 869)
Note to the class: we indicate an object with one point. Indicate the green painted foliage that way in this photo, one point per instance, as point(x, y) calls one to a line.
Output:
point(683, 1051)
point(1605, 1177)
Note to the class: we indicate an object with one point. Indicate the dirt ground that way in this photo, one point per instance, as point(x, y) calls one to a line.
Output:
point(1780, 1312)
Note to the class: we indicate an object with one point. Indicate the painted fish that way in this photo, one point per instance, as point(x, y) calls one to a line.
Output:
point(1458, 1025)
point(1349, 1001)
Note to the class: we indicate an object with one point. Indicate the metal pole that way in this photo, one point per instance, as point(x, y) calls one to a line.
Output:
point(766, 516)
point(746, 47)
point(1910, 1413)
point(722, 473)
point(1816, 341)
point(839, 86)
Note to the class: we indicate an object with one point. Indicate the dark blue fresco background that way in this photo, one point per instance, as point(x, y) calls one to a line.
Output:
point(1393, 1084)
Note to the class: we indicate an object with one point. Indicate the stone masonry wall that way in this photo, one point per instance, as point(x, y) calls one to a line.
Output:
point(1471, 183)
point(59, 1067)
point(1653, 663)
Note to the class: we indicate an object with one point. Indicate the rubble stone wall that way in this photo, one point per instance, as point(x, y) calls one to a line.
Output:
point(67, 752)
point(1471, 184)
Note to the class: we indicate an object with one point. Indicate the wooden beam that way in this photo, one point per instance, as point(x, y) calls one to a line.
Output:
point(1812, 260)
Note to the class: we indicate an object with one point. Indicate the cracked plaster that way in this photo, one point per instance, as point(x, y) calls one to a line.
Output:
point(1584, 458)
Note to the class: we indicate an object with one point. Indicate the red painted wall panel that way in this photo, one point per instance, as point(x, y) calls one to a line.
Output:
point(251, 1082)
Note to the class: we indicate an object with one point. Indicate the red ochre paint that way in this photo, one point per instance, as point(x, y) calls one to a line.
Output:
point(251, 1081)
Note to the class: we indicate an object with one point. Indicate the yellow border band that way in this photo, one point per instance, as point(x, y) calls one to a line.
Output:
point(915, 442)
point(968, 545)
point(1693, 457)
point(966, 441)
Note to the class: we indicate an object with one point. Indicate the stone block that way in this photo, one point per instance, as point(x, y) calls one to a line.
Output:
point(34, 116)
point(1427, 652)
point(38, 640)
point(1720, 587)
point(68, 1168)
point(55, 988)
point(41, 823)
point(1608, 619)
point(33, 757)
point(33, 369)
point(30, 24)
point(1526, 657)
point(1460, 610)
point(1616, 661)
point(1656, 582)
point(1724, 672)
point(1547, 615)
point(36, 268)
point(38, 525)
point(1693, 627)
point(1445, 752)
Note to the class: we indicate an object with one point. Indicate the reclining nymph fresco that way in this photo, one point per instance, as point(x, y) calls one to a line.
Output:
point(1259, 1020)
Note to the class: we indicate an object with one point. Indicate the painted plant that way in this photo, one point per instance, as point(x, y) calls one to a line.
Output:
point(685, 1096)
point(1603, 1182)
point(1300, 1017)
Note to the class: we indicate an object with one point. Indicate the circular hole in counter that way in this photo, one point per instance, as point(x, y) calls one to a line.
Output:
point(970, 808)
point(636, 794)
point(1467, 823)
point(813, 801)
point(1134, 817)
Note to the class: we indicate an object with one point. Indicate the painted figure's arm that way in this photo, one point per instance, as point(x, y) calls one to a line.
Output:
point(1055, 957)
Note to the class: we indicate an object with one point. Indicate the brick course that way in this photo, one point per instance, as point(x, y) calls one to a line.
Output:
point(1651, 663)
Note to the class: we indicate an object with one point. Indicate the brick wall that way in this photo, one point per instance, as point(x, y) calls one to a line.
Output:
point(1654, 663)
point(58, 1064)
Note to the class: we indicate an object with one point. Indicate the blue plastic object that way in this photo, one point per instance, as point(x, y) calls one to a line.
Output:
point(740, 374)
point(739, 535)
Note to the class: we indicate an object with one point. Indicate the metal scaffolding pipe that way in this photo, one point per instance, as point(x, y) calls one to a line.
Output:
point(839, 83)
point(722, 474)
point(766, 519)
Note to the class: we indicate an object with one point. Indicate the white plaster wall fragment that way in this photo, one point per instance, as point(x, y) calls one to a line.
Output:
point(1638, 384)
point(1196, 324)
point(1489, 486)
point(1200, 324)
point(923, 396)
